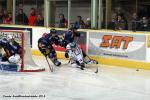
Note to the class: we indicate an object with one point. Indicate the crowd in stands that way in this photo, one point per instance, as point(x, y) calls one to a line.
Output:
point(79, 23)
point(119, 22)
point(140, 24)
point(5, 17)
point(34, 19)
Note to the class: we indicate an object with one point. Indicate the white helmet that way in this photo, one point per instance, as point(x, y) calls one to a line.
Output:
point(73, 45)
point(9, 37)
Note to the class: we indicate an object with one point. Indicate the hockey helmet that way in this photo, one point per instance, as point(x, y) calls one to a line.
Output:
point(10, 38)
point(73, 28)
point(73, 45)
point(53, 31)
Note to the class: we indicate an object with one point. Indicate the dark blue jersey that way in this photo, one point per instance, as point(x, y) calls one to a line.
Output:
point(69, 36)
point(48, 39)
point(10, 49)
point(44, 43)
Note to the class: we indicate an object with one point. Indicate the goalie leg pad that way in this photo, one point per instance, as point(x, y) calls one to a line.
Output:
point(14, 59)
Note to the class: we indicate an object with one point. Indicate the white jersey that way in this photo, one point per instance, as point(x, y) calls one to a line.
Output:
point(75, 53)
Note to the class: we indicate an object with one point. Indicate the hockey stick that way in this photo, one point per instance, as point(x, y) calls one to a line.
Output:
point(96, 63)
point(51, 68)
point(96, 71)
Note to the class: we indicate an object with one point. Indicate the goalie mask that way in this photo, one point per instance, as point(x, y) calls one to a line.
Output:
point(10, 38)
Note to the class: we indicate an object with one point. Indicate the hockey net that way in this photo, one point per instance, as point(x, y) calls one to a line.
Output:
point(22, 37)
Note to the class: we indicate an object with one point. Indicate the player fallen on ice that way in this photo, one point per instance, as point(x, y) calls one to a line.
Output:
point(10, 60)
point(45, 46)
point(73, 51)
point(12, 50)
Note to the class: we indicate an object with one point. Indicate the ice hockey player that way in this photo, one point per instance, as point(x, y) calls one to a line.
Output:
point(77, 57)
point(70, 35)
point(45, 46)
point(12, 50)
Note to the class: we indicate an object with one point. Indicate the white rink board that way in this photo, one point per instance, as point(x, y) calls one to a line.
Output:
point(137, 49)
point(38, 31)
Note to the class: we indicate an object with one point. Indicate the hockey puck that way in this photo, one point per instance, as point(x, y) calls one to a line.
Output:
point(137, 69)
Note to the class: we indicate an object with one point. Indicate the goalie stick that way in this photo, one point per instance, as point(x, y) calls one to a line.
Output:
point(51, 68)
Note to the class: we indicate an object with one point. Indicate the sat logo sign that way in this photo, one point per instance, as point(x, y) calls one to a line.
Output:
point(115, 41)
point(118, 45)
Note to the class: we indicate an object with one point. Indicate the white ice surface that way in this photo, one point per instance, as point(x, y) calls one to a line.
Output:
point(66, 83)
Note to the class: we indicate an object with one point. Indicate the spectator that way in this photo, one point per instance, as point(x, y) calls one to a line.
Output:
point(63, 23)
point(79, 23)
point(126, 22)
point(112, 24)
point(39, 20)
point(88, 23)
point(1, 17)
point(21, 18)
point(144, 25)
point(8, 19)
point(120, 23)
point(18, 8)
point(32, 17)
point(135, 22)
point(120, 12)
point(5, 14)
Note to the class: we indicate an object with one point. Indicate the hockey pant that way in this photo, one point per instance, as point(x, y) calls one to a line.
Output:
point(51, 53)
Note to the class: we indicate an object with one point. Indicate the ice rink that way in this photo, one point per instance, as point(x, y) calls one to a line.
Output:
point(66, 83)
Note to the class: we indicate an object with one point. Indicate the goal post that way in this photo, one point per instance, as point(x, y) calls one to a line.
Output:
point(22, 37)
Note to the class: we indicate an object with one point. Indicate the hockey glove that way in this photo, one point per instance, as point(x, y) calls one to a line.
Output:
point(66, 54)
